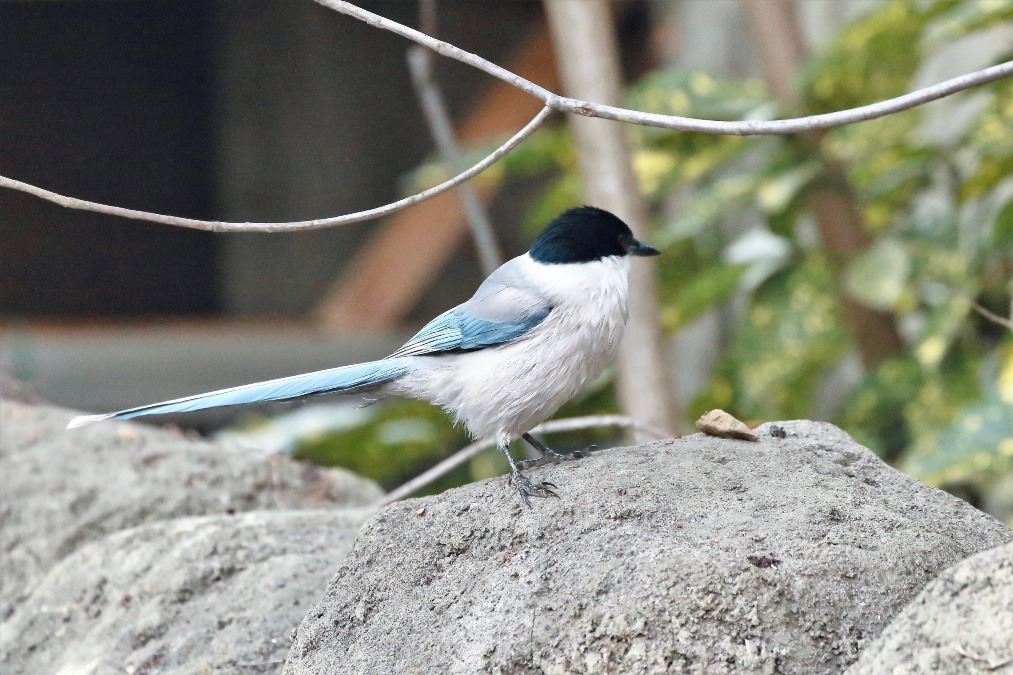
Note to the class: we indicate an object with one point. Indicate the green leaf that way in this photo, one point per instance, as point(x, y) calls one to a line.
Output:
point(763, 252)
point(977, 441)
point(546, 151)
point(941, 327)
point(664, 158)
point(690, 93)
point(874, 411)
point(777, 191)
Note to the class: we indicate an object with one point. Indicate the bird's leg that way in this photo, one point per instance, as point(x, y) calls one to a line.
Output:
point(522, 483)
point(548, 455)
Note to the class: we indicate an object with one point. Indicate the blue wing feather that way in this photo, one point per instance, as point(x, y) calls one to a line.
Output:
point(346, 379)
point(458, 330)
point(504, 308)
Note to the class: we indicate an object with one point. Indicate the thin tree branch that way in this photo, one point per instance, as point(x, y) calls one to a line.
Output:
point(420, 65)
point(991, 316)
point(798, 124)
point(219, 226)
point(743, 128)
point(552, 102)
point(551, 427)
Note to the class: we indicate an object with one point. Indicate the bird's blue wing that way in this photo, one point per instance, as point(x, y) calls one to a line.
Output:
point(458, 330)
point(506, 307)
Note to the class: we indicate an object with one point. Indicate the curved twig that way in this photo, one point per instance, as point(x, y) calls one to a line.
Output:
point(438, 118)
point(320, 223)
point(743, 128)
point(552, 102)
point(992, 316)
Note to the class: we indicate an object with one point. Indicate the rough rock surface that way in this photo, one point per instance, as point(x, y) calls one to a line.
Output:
point(701, 555)
point(212, 594)
point(962, 622)
point(60, 489)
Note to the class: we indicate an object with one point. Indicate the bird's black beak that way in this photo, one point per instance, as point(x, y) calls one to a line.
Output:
point(640, 248)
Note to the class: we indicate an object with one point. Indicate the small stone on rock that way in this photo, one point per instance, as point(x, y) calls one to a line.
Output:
point(721, 424)
point(777, 431)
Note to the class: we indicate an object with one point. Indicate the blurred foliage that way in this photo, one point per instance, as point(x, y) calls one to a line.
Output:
point(777, 356)
point(397, 438)
point(733, 214)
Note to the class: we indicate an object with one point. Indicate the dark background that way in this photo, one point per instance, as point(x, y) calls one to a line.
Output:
point(238, 110)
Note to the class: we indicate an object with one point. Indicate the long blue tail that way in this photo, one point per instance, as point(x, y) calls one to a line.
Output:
point(346, 379)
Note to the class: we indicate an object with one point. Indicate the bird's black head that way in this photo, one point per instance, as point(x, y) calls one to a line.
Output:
point(586, 234)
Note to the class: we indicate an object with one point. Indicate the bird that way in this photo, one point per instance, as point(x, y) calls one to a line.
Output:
point(535, 333)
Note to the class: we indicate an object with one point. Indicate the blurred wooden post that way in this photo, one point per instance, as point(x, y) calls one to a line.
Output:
point(781, 46)
point(778, 37)
point(588, 57)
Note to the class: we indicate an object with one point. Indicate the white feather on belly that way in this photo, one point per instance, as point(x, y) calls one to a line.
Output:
point(504, 391)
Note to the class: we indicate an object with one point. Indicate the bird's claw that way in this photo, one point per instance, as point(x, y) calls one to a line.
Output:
point(527, 488)
point(552, 457)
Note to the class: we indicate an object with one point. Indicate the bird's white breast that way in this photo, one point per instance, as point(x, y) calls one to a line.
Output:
point(504, 391)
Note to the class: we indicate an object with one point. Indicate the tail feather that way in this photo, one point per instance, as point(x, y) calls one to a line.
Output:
point(346, 379)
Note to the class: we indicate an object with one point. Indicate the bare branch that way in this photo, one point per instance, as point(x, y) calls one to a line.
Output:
point(552, 102)
point(219, 226)
point(789, 126)
point(992, 316)
point(551, 427)
point(743, 128)
point(420, 65)
point(985, 311)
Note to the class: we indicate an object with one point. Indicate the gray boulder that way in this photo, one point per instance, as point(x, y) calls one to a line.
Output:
point(962, 622)
point(60, 489)
point(213, 594)
point(700, 555)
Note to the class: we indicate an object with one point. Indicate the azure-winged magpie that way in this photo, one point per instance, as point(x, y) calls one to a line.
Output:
point(535, 333)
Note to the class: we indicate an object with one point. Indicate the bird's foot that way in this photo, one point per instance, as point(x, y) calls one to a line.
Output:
point(550, 456)
point(527, 488)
